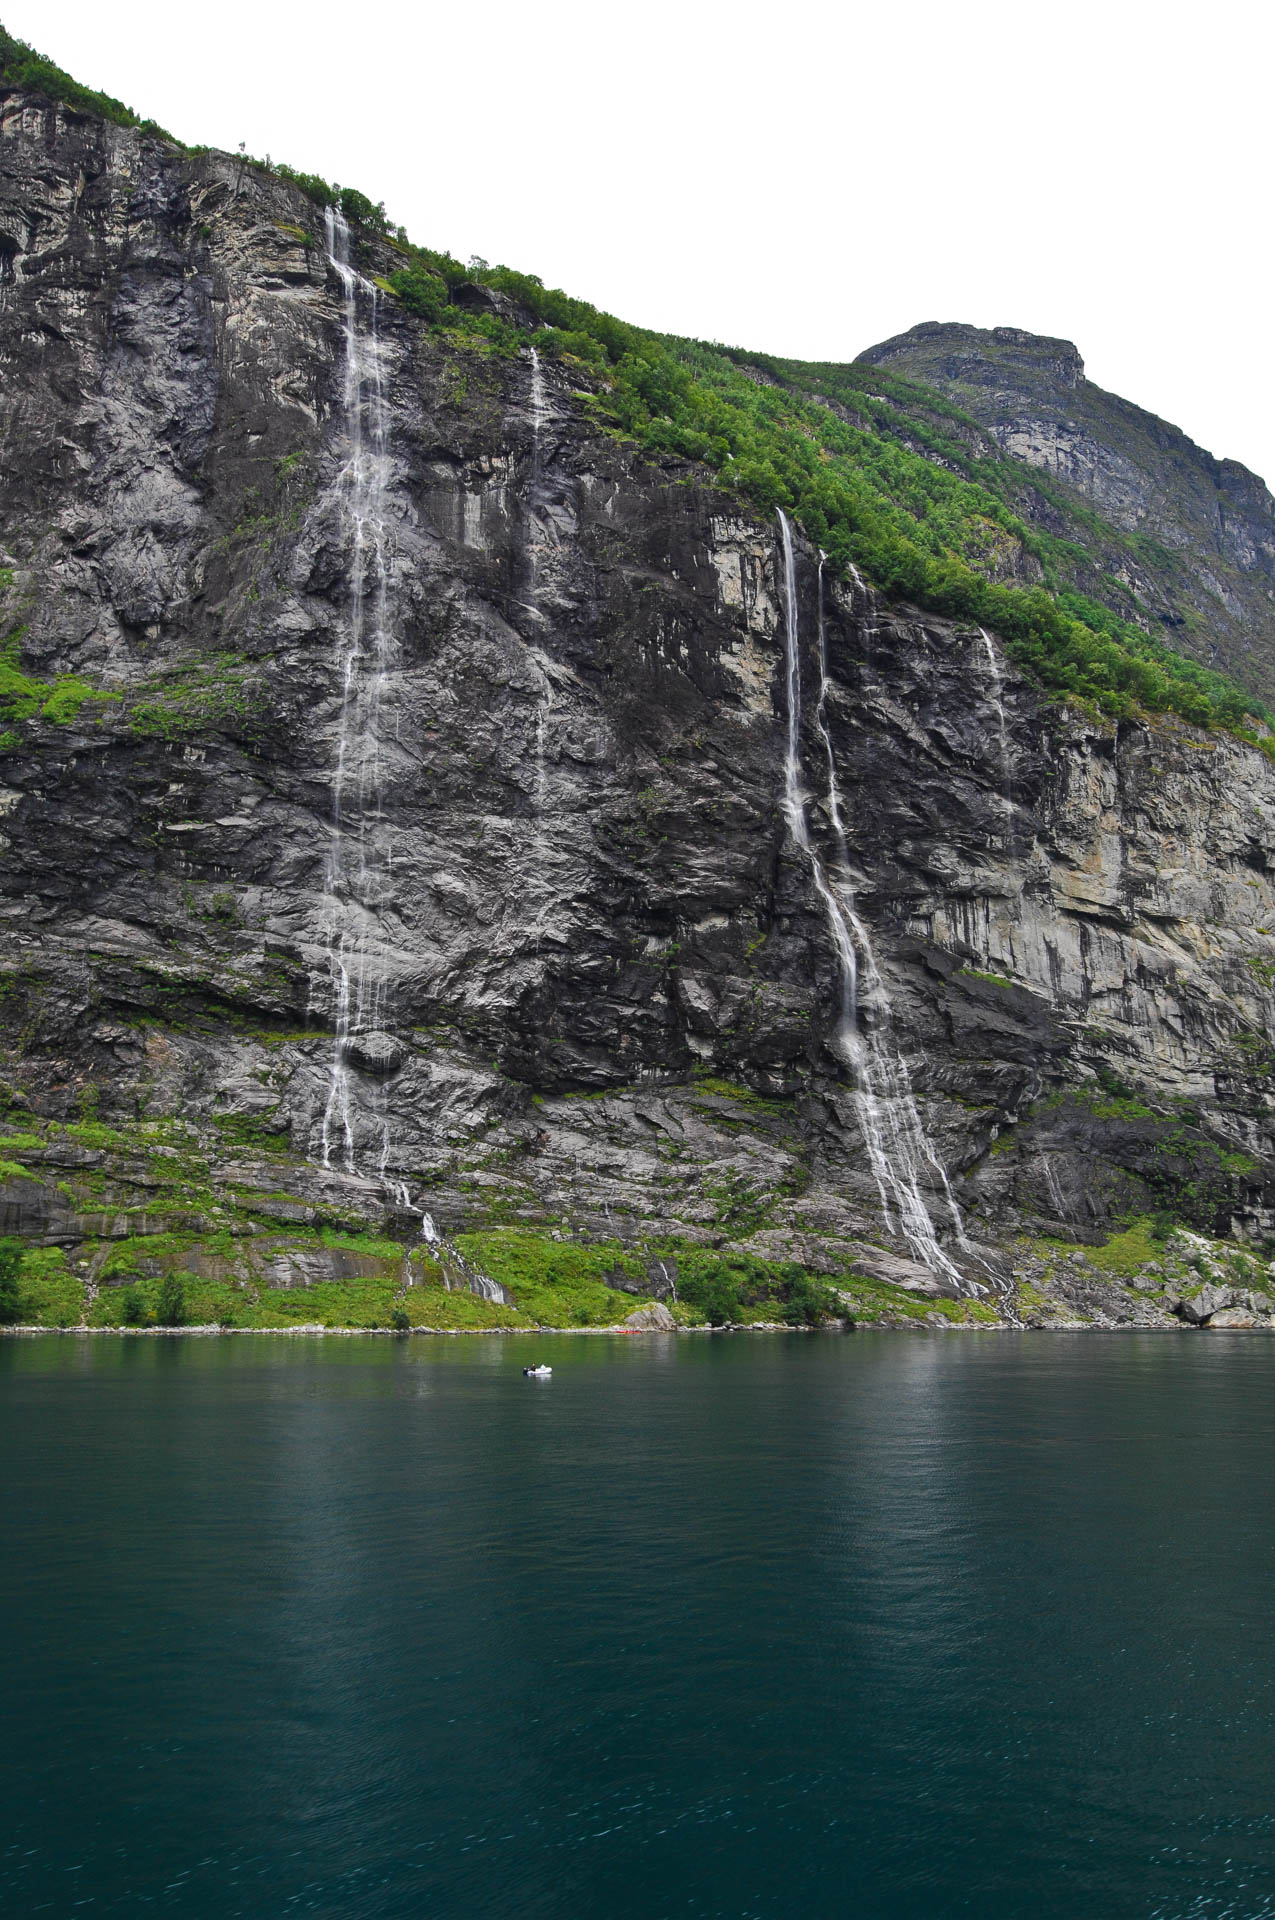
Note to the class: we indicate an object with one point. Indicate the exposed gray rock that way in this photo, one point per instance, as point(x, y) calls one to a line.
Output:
point(1200, 1307)
point(653, 1319)
point(375, 1053)
point(1143, 475)
point(907, 1275)
point(610, 1002)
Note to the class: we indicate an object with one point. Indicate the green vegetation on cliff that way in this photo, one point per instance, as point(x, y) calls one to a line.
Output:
point(871, 481)
point(915, 529)
point(885, 475)
point(22, 66)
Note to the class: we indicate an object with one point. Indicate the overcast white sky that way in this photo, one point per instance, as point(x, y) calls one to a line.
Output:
point(801, 178)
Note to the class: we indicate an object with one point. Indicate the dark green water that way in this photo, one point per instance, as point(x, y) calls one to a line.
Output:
point(870, 1626)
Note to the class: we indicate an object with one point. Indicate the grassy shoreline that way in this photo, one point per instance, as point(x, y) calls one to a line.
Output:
point(405, 1333)
point(620, 1332)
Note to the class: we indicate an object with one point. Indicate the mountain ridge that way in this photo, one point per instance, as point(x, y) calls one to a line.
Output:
point(1142, 472)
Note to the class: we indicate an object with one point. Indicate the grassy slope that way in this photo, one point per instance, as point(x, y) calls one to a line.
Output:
point(885, 483)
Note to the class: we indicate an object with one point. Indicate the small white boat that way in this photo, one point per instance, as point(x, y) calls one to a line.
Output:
point(538, 1373)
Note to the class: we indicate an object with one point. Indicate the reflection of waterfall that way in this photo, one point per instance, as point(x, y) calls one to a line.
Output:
point(898, 1149)
point(357, 869)
point(996, 685)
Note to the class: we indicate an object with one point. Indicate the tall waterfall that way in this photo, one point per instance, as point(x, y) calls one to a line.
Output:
point(541, 880)
point(539, 414)
point(996, 686)
point(357, 868)
point(539, 410)
point(898, 1150)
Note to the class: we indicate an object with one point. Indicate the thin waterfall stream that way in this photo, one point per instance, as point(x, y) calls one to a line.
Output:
point(996, 685)
point(357, 869)
point(539, 410)
point(543, 886)
point(899, 1151)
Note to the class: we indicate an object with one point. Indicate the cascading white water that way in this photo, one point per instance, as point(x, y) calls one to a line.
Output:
point(539, 414)
point(429, 1232)
point(898, 1149)
point(539, 408)
point(821, 726)
point(540, 851)
point(996, 684)
point(542, 878)
point(357, 869)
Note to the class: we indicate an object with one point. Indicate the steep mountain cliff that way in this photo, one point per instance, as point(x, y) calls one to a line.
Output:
point(1116, 504)
point(454, 849)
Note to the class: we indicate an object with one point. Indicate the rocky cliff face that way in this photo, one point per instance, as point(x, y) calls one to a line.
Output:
point(401, 810)
point(1205, 568)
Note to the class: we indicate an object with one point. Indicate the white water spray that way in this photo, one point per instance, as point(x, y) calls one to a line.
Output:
point(543, 883)
point(539, 408)
point(357, 867)
point(540, 851)
point(996, 686)
point(539, 414)
point(403, 1199)
point(898, 1149)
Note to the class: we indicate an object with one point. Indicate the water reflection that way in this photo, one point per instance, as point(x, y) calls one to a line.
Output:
point(890, 1625)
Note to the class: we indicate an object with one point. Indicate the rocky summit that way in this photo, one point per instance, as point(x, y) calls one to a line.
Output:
point(469, 859)
point(1191, 537)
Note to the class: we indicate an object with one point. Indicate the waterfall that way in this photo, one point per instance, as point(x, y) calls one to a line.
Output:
point(540, 851)
point(539, 410)
point(898, 1149)
point(539, 414)
point(821, 727)
point(356, 870)
point(429, 1232)
point(996, 684)
point(543, 889)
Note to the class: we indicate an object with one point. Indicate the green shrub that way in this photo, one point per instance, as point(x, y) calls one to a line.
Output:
point(554, 1283)
point(422, 292)
point(361, 211)
point(735, 1288)
point(170, 1302)
point(49, 1295)
point(10, 1274)
point(22, 66)
point(434, 1306)
point(312, 185)
point(132, 1308)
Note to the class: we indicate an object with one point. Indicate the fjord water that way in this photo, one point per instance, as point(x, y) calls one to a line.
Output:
point(876, 1625)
